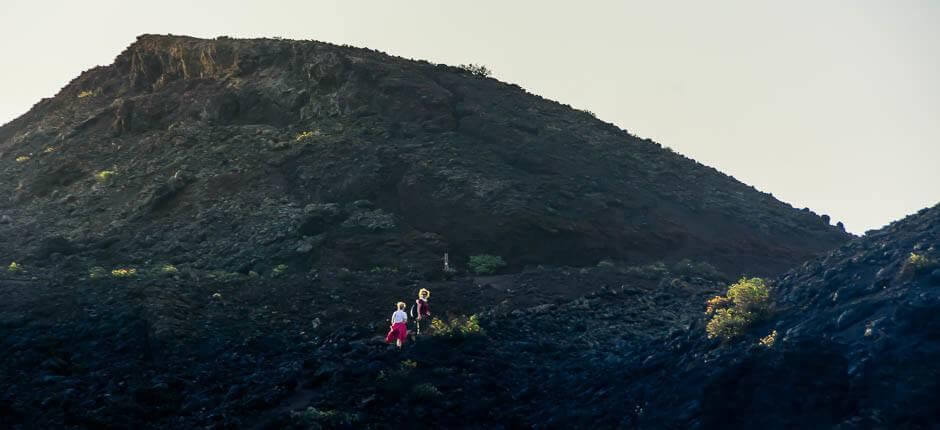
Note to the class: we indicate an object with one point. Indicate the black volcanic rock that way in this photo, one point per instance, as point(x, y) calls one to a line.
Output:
point(858, 346)
point(242, 154)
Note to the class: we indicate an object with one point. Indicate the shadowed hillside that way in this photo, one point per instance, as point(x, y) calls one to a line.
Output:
point(241, 155)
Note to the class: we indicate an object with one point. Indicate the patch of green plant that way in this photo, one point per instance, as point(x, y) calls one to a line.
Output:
point(124, 272)
point(918, 263)
point(384, 269)
point(302, 136)
point(223, 275)
point(732, 314)
point(458, 327)
point(426, 391)
point(169, 269)
point(89, 93)
point(313, 418)
point(485, 264)
point(14, 267)
point(769, 340)
point(279, 270)
point(701, 269)
point(105, 176)
point(476, 69)
point(652, 271)
point(97, 272)
point(22, 158)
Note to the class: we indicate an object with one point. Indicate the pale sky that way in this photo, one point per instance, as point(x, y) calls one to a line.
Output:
point(831, 105)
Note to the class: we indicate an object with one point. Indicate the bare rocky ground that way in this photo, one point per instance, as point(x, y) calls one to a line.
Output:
point(605, 347)
point(158, 352)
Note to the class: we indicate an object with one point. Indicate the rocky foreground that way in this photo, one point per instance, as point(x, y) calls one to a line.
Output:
point(606, 347)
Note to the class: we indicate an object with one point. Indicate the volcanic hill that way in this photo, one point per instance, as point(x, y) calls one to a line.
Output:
point(246, 155)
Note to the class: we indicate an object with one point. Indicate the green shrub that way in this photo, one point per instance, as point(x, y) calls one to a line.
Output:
point(105, 176)
point(310, 134)
point(769, 340)
point(426, 391)
point(456, 327)
point(746, 301)
point(476, 69)
point(918, 263)
point(124, 272)
point(313, 418)
point(97, 272)
point(279, 270)
point(14, 267)
point(384, 269)
point(701, 269)
point(89, 93)
point(650, 271)
point(485, 264)
point(22, 158)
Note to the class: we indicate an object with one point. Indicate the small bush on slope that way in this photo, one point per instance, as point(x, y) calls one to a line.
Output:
point(731, 314)
point(457, 327)
point(484, 264)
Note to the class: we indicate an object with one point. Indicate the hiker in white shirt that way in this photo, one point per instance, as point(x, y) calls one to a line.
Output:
point(399, 328)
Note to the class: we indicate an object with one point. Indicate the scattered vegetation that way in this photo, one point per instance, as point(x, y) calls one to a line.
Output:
point(97, 272)
point(48, 150)
point(485, 264)
point(769, 340)
point(105, 176)
point(23, 158)
point(124, 272)
point(279, 270)
point(89, 93)
point(302, 136)
point(306, 135)
point(169, 269)
point(457, 327)
point(313, 418)
point(223, 275)
point(746, 301)
point(411, 364)
point(686, 267)
point(14, 267)
point(656, 270)
point(477, 69)
point(426, 391)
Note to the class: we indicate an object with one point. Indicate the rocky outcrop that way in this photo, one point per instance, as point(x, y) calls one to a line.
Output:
point(216, 147)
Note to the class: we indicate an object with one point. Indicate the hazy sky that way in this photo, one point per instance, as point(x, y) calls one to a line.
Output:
point(832, 105)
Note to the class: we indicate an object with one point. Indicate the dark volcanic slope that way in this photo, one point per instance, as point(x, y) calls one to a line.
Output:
point(858, 347)
point(244, 154)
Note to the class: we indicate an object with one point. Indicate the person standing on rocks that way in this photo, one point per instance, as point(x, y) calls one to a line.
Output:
point(398, 331)
point(421, 305)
